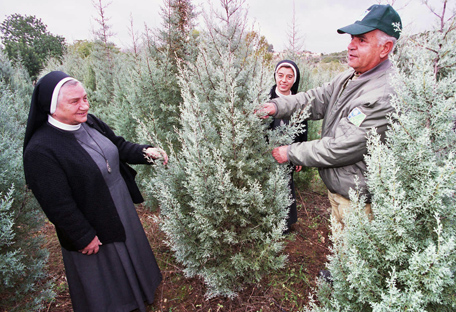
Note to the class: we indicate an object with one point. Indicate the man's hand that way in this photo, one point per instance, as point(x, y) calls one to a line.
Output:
point(92, 248)
point(157, 153)
point(266, 110)
point(280, 154)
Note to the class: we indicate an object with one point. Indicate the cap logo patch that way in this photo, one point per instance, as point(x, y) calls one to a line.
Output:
point(397, 27)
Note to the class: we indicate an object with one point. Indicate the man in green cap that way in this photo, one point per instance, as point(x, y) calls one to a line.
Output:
point(351, 105)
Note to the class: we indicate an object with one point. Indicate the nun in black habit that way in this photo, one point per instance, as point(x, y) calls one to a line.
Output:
point(287, 76)
point(77, 169)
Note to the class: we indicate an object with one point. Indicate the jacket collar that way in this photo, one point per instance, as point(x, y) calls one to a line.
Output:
point(383, 66)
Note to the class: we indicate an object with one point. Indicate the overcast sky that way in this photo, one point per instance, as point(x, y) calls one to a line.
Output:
point(317, 20)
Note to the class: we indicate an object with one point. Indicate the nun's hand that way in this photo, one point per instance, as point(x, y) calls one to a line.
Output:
point(92, 248)
point(266, 110)
point(157, 153)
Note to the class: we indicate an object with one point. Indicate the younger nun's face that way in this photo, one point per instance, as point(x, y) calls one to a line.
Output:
point(285, 80)
point(73, 106)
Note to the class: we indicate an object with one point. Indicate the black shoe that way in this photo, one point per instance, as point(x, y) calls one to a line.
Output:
point(326, 275)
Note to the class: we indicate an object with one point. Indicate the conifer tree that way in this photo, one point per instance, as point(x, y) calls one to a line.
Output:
point(154, 92)
point(78, 63)
point(156, 77)
point(223, 198)
point(405, 258)
point(176, 35)
point(22, 258)
point(104, 62)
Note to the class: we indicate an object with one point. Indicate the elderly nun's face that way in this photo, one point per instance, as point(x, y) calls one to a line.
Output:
point(72, 106)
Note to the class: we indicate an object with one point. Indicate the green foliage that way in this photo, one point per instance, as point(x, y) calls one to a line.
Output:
point(263, 48)
point(176, 37)
point(22, 258)
point(83, 48)
point(405, 258)
point(176, 43)
point(335, 57)
point(223, 198)
point(154, 94)
point(76, 61)
point(27, 41)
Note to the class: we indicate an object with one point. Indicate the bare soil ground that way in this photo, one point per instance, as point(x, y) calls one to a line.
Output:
point(287, 290)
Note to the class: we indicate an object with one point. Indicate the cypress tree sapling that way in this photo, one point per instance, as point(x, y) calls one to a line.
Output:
point(223, 198)
point(220, 214)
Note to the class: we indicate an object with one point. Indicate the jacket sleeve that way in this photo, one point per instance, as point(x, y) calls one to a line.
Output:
point(317, 98)
point(50, 186)
point(349, 143)
point(348, 146)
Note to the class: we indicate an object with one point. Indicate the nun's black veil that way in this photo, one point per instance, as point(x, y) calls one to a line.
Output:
point(41, 103)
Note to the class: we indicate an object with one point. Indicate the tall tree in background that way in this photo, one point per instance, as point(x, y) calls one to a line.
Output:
point(405, 258)
point(262, 46)
point(295, 39)
point(104, 57)
point(27, 41)
point(175, 44)
point(152, 93)
point(104, 33)
point(223, 198)
point(176, 35)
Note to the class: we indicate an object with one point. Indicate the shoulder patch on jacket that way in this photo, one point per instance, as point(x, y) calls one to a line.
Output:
point(356, 116)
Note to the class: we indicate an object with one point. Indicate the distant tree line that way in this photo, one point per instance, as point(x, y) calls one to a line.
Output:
point(26, 41)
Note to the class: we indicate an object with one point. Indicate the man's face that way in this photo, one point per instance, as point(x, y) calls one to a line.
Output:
point(364, 52)
point(73, 106)
point(285, 80)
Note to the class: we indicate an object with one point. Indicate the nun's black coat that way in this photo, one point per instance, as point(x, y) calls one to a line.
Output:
point(70, 188)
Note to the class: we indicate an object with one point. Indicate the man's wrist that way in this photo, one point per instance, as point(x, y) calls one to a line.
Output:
point(274, 109)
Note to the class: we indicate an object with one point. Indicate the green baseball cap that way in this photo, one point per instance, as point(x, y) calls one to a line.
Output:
point(378, 16)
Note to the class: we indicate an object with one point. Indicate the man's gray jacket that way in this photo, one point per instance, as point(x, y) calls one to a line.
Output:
point(348, 115)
